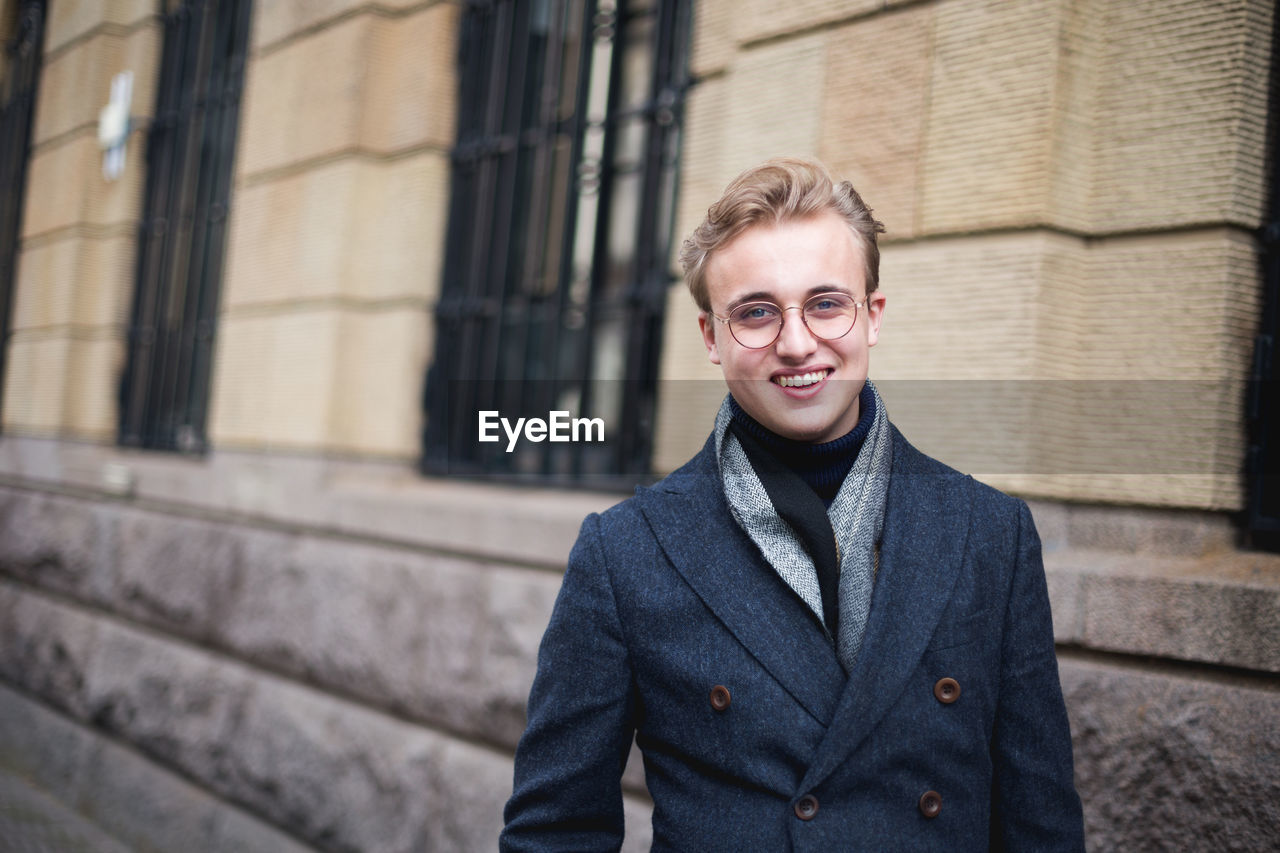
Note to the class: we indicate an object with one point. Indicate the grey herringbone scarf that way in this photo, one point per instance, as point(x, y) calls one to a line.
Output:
point(856, 515)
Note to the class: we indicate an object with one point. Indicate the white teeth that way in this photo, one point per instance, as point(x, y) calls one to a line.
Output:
point(800, 381)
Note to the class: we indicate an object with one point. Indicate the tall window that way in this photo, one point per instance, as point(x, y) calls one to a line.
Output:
point(165, 389)
point(1262, 465)
point(22, 33)
point(560, 227)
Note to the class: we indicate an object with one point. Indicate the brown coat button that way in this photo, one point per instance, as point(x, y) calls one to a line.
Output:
point(807, 807)
point(720, 697)
point(930, 804)
point(947, 690)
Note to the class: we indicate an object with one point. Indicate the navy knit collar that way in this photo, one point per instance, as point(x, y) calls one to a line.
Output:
point(822, 466)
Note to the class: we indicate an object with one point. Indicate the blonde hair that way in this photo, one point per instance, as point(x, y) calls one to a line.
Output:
point(775, 191)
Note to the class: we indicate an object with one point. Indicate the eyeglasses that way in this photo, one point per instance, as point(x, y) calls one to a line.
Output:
point(827, 316)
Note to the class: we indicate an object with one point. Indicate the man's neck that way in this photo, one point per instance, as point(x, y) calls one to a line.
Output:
point(823, 466)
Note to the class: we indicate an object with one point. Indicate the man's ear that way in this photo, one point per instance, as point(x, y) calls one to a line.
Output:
point(708, 326)
point(875, 313)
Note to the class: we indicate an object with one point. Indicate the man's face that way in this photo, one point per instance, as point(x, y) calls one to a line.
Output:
point(787, 264)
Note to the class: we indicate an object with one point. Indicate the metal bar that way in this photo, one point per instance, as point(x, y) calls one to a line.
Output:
point(168, 390)
point(164, 392)
point(472, 87)
point(137, 380)
point(230, 88)
point(480, 306)
point(653, 240)
point(1263, 459)
point(173, 391)
point(600, 249)
point(572, 127)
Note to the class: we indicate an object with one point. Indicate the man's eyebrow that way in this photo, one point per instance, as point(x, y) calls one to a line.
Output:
point(766, 296)
point(754, 296)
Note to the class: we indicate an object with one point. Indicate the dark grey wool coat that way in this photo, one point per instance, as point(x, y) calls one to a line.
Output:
point(672, 628)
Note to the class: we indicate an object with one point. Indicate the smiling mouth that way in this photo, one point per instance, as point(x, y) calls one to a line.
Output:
point(803, 380)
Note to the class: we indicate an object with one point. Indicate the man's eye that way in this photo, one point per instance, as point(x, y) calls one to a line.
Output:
point(756, 314)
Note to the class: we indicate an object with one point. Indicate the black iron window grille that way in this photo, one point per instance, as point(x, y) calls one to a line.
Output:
point(560, 227)
point(23, 38)
point(1262, 464)
point(190, 145)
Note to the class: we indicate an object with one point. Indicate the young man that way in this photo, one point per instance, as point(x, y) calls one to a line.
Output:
point(820, 638)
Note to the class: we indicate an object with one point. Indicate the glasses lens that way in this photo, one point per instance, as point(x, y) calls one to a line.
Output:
point(755, 324)
point(830, 315)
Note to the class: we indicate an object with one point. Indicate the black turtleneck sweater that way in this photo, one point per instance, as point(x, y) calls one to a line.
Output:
point(822, 466)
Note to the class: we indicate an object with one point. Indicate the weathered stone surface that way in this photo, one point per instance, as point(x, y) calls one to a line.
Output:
point(362, 498)
point(343, 776)
point(768, 114)
point(76, 83)
point(1125, 331)
point(692, 387)
point(1136, 530)
point(276, 21)
point(1221, 611)
point(34, 392)
point(75, 280)
point(760, 19)
point(704, 165)
point(41, 745)
point(1180, 102)
point(275, 380)
point(176, 573)
point(134, 799)
point(65, 186)
point(32, 819)
point(1166, 762)
point(447, 641)
point(53, 542)
point(986, 153)
point(875, 103)
point(94, 366)
point(410, 91)
point(168, 699)
point(350, 779)
point(713, 44)
point(72, 19)
point(356, 228)
point(323, 379)
point(303, 100)
point(46, 649)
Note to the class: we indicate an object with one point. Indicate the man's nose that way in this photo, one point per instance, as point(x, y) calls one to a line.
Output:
point(795, 340)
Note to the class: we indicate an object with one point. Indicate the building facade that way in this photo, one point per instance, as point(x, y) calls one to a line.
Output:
point(262, 589)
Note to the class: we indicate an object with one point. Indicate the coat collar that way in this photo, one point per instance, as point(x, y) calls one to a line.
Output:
point(926, 525)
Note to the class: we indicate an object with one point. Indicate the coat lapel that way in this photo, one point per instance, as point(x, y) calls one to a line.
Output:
point(692, 523)
point(925, 532)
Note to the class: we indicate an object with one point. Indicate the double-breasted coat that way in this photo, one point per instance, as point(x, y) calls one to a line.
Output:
point(949, 733)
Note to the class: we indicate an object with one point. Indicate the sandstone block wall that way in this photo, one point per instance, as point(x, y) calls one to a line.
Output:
point(1070, 188)
point(336, 242)
point(74, 284)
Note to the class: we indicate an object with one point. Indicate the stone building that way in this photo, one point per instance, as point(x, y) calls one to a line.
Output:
point(260, 591)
